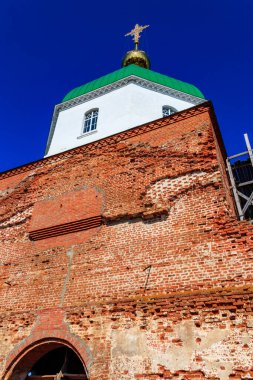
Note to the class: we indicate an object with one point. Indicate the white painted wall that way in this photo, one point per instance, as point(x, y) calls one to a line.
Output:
point(119, 110)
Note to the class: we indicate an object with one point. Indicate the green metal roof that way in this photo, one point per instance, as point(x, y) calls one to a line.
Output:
point(139, 72)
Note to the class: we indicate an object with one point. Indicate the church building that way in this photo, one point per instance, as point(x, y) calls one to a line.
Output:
point(122, 254)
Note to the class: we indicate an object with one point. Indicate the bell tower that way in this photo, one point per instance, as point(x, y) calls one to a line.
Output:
point(118, 101)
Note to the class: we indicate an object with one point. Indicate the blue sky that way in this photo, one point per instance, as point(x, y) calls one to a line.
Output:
point(50, 47)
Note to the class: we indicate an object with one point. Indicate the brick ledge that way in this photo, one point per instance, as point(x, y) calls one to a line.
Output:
point(114, 139)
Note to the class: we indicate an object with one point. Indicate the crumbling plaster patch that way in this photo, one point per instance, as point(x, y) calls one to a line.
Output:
point(132, 349)
point(19, 217)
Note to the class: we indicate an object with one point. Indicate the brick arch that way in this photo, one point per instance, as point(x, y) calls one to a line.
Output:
point(22, 358)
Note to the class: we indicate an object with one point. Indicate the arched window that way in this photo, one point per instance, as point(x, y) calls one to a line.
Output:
point(60, 363)
point(168, 110)
point(90, 121)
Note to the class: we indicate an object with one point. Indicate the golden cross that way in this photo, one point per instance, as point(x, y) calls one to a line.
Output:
point(136, 33)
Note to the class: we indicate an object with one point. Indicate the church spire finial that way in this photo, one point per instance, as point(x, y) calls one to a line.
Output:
point(136, 33)
point(136, 56)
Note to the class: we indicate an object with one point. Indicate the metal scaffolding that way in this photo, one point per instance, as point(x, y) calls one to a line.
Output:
point(241, 178)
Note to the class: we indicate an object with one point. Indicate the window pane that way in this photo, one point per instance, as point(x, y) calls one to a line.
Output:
point(94, 123)
point(87, 125)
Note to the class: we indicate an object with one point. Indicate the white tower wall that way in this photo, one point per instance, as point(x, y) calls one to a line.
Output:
point(119, 110)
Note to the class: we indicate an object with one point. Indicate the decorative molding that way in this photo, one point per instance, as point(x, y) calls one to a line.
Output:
point(115, 86)
point(66, 228)
point(124, 82)
point(111, 140)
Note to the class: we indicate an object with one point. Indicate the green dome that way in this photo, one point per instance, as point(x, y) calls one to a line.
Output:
point(139, 72)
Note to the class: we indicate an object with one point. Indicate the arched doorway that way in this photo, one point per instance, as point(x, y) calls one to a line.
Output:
point(50, 360)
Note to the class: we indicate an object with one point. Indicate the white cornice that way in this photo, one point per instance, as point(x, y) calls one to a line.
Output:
point(125, 81)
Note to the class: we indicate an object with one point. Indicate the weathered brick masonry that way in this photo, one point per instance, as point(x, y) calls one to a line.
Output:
point(160, 287)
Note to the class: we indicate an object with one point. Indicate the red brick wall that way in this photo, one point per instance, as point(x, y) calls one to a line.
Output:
point(163, 195)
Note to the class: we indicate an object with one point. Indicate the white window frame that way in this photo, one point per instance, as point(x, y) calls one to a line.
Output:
point(89, 124)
